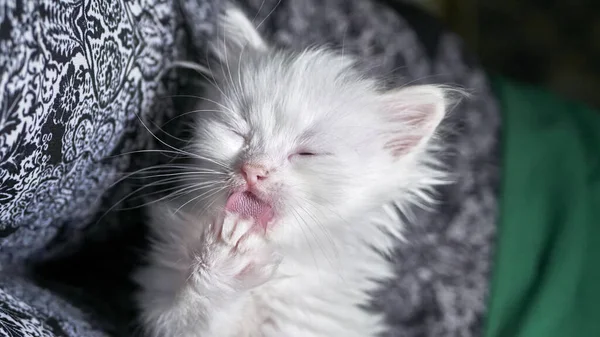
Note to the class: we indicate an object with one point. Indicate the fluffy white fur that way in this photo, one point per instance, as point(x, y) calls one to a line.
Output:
point(311, 272)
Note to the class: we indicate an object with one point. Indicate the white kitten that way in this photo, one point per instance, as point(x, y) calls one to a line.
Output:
point(299, 164)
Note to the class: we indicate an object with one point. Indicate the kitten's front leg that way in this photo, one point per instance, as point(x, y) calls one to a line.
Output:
point(199, 273)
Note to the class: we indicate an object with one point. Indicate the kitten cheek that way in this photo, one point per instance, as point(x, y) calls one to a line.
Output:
point(236, 145)
point(230, 144)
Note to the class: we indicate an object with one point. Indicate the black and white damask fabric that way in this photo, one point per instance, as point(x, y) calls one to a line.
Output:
point(28, 311)
point(80, 83)
point(80, 78)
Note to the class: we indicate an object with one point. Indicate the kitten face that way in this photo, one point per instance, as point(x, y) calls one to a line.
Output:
point(305, 140)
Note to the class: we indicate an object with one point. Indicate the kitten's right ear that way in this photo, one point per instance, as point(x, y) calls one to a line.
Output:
point(413, 114)
point(234, 33)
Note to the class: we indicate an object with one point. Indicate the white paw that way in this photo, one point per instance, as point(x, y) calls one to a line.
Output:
point(242, 256)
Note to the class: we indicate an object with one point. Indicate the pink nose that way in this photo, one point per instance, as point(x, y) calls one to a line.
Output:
point(253, 173)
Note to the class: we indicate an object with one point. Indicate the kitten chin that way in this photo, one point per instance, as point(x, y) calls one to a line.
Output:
point(297, 167)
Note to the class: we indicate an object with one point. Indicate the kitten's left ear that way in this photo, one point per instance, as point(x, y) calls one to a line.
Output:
point(412, 114)
point(234, 33)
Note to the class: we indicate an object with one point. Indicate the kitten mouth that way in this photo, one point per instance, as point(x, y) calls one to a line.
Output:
point(249, 205)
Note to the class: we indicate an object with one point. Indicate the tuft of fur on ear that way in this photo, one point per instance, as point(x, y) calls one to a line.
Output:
point(234, 33)
point(413, 114)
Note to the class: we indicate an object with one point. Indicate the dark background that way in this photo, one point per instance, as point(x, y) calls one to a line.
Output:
point(553, 43)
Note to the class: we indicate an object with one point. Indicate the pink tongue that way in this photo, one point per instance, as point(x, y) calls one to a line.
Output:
point(247, 205)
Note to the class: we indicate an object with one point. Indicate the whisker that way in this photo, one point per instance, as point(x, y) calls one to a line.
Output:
point(202, 71)
point(296, 216)
point(317, 241)
point(325, 203)
point(220, 90)
point(177, 179)
point(239, 68)
point(113, 207)
point(182, 174)
point(201, 98)
point(231, 85)
point(161, 141)
point(127, 175)
point(178, 193)
point(189, 65)
point(192, 155)
point(207, 207)
point(322, 227)
point(190, 112)
point(175, 170)
point(262, 3)
point(269, 14)
point(195, 198)
point(144, 151)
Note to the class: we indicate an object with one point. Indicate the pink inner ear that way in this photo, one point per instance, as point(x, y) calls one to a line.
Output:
point(414, 124)
point(402, 146)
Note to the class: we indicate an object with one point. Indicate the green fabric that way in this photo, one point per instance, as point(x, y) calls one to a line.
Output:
point(546, 277)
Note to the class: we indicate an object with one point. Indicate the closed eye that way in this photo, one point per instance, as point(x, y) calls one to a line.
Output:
point(237, 134)
point(304, 154)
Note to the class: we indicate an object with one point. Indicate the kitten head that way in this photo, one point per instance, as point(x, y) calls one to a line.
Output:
point(305, 139)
